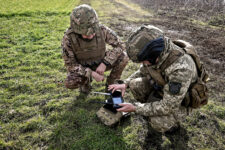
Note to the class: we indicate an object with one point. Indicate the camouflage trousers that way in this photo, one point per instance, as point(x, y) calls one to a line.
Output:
point(74, 81)
point(141, 90)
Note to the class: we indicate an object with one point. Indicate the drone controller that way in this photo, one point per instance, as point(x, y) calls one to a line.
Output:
point(113, 102)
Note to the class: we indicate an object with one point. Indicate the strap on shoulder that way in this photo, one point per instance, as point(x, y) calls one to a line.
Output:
point(173, 56)
point(157, 74)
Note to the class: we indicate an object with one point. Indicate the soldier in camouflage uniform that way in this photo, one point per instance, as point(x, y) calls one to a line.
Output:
point(159, 106)
point(84, 50)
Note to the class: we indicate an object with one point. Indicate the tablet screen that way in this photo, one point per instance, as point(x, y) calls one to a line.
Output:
point(117, 100)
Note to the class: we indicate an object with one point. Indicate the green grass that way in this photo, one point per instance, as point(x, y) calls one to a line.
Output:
point(36, 110)
point(27, 7)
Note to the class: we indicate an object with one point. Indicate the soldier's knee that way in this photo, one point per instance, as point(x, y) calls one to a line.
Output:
point(73, 82)
point(133, 84)
point(163, 123)
point(71, 85)
point(122, 60)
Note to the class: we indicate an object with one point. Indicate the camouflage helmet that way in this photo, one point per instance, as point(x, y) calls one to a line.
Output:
point(84, 20)
point(139, 38)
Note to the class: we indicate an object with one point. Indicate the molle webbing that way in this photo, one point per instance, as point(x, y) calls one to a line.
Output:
point(157, 74)
point(172, 57)
point(198, 91)
point(197, 95)
point(189, 49)
point(88, 53)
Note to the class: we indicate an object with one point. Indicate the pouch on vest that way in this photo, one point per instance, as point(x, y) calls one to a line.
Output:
point(197, 94)
point(108, 117)
point(198, 91)
point(88, 53)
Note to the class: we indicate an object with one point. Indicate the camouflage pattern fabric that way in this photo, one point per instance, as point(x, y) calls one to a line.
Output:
point(84, 20)
point(140, 94)
point(74, 81)
point(139, 38)
point(116, 58)
point(167, 112)
point(107, 117)
point(117, 68)
point(161, 114)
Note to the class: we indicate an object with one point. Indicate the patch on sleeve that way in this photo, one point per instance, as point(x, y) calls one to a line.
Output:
point(174, 87)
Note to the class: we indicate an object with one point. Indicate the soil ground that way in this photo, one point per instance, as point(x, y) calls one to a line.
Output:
point(38, 112)
point(180, 22)
point(203, 27)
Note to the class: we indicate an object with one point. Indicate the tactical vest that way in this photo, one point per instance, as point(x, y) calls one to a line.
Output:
point(197, 94)
point(91, 52)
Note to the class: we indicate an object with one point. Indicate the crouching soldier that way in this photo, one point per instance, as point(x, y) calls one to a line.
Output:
point(84, 51)
point(164, 85)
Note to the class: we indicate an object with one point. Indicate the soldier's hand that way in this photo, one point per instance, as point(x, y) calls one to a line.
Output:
point(114, 87)
point(97, 76)
point(101, 69)
point(127, 107)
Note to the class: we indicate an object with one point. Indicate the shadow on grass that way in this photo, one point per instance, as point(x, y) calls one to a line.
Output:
point(176, 140)
point(79, 128)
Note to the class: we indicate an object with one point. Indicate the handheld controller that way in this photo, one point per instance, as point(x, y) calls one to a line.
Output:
point(113, 102)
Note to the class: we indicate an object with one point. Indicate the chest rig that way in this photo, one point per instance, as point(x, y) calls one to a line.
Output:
point(88, 53)
point(197, 95)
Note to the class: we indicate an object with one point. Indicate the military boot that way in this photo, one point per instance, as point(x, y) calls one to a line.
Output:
point(84, 91)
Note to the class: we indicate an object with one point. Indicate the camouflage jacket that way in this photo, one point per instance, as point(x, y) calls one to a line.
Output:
point(73, 65)
point(182, 71)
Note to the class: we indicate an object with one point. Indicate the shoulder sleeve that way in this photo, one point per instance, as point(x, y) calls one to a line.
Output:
point(70, 59)
point(112, 39)
point(180, 75)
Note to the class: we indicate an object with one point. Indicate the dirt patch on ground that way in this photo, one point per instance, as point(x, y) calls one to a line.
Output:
point(191, 21)
point(201, 24)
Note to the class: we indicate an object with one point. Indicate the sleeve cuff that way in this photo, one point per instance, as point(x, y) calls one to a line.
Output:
point(127, 84)
point(138, 106)
point(106, 63)
point(109, 60)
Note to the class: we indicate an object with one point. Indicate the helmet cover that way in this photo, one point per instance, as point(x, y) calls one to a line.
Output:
point(84, 20)
point(139, 38)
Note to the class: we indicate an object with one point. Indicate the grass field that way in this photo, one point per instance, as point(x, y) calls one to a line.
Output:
point(36, 110)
